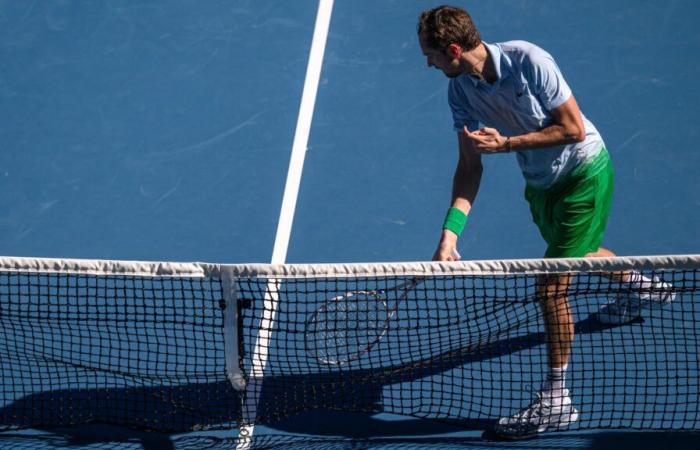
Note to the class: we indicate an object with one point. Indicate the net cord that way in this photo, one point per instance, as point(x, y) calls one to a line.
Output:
point(465, 268)
point(286, 271)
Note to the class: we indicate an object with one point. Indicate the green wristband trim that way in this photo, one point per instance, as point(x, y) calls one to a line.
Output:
point(455, 221)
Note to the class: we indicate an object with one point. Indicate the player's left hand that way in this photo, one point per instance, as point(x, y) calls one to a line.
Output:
point(487, 140)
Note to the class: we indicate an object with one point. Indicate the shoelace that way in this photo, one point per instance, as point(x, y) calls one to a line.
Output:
point(539, 408)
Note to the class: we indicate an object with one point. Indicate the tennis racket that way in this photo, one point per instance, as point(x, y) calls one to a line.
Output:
point(348, 326)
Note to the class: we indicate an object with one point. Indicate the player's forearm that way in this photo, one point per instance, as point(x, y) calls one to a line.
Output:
point(550, 136)
point(465, 186)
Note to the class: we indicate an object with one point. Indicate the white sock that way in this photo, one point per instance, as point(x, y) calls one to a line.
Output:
point(553, 386)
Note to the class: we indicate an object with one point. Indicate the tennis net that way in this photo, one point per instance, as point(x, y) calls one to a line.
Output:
point(176, 347)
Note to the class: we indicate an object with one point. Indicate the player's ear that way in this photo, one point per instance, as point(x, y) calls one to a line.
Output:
point(454, 51)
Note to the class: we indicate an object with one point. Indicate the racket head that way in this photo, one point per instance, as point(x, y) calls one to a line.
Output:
point(347, 326)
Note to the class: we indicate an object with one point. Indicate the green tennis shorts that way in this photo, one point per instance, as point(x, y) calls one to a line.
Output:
point(572, 214)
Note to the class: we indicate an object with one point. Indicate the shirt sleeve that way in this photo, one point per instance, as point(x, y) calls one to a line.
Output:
point(460, 108)
point(546, 78)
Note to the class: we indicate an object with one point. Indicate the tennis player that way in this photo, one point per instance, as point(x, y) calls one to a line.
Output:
point(512, 97)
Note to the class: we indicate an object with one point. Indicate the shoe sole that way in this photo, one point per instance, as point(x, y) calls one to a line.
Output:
point(495, 435)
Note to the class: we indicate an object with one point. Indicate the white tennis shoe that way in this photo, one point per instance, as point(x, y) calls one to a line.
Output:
point(546, 412)
point(628, 306)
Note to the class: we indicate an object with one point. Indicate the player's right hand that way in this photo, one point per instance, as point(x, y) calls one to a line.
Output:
point(447, 248)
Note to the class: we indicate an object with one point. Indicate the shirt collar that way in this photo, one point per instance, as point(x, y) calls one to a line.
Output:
point(496, 56)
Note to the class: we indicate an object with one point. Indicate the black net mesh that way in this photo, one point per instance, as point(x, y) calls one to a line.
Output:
point(149, 352)
point(471, 349)
point(142, 352)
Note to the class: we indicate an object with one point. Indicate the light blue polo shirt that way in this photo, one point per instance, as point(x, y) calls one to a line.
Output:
point(529, 85)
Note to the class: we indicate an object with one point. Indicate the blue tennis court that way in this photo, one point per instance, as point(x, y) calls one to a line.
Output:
point(162, 131)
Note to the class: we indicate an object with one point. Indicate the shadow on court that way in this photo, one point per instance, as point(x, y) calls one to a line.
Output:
point(363, 390)
point(188, 407)
point(93, 437)
point(202, 406)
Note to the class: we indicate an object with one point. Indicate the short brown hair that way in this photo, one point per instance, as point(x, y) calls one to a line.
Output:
point(447, 25)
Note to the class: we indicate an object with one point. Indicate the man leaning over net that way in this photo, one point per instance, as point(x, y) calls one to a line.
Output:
point(517, 91)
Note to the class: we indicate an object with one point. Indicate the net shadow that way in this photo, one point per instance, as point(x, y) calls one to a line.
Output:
point(202, 406)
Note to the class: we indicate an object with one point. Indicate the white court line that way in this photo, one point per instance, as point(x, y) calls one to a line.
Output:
point(284, 226)
point(301, 137)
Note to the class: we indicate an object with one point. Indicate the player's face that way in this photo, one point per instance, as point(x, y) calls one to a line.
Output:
point(440, 59)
